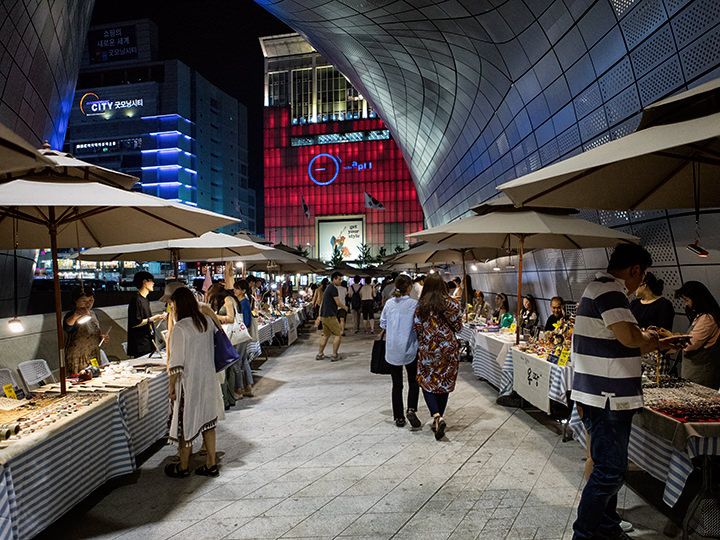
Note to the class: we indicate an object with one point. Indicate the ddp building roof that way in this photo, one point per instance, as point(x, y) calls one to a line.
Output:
point(477, 92)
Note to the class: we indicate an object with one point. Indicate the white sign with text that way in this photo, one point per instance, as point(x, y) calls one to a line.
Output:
point(531, 379)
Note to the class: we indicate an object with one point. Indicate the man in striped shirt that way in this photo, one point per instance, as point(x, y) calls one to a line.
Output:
point(607, 349)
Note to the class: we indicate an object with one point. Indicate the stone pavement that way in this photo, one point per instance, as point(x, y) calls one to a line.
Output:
point(317, 455)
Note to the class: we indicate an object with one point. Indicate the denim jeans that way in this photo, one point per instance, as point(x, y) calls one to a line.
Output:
point(609, 437)
point(396, 372)
point(436, 403)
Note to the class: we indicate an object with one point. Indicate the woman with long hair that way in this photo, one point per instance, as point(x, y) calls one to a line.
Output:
point(437, 319)
point(401, 346)
point(192, 380)
point(243, 372)
point(317, 300)
point(529, 313)
point(701, 357)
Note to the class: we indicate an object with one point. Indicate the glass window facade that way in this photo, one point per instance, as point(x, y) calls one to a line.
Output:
point(302, 93)
point(278, 88)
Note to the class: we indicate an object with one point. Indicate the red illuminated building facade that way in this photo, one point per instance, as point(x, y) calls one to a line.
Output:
point(334, 178)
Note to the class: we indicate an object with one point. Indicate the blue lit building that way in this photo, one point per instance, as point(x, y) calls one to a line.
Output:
point(162, 121)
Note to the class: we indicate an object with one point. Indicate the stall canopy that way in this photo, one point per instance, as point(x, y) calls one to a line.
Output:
point(526, 229)
point(59, 166)
point(424, 253)
point(16, 154)
point(209, 246)
point(278, 261)
point(666, 166)
point(74, 214)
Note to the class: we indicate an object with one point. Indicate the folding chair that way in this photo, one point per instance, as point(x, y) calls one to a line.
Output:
point(35, 373)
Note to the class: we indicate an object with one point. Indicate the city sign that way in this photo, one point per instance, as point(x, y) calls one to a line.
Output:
point(92, 105)
point(324, 168)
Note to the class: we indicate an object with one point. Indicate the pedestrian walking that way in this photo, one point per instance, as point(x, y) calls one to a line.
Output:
point(437, 319)
point(331, 303)
point(401, 347)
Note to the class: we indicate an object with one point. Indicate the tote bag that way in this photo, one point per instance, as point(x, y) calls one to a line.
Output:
point(225, 353)
point(236, 331)
point(378, 364)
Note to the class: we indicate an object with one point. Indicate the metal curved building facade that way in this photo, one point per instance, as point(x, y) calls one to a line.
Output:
point(478, 92)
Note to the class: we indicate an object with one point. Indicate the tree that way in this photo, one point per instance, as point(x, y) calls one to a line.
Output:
point(337, 258)
point(302, 250)
point(365, 256)
point(382, 253)
point(399, 249)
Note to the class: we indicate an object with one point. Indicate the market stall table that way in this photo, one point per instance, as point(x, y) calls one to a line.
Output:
point(47, 472)
point(492, 359)
point(539, 381)
point(664, 446)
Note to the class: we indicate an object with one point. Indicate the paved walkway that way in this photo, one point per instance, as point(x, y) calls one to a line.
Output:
point(317, 455)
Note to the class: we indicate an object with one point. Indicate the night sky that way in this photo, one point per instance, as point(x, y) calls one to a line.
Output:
point(220, 40)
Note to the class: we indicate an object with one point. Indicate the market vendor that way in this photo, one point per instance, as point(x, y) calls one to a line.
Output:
point(650, 307)
point(141, 321)
point(83, 332)
point(501, 306)
point(557, 313)
point(701, 357)
point(529, 314)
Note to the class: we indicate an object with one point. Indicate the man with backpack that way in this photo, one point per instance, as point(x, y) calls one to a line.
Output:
point(355, 301)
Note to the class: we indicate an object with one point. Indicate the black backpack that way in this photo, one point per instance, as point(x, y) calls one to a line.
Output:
point(355, 298)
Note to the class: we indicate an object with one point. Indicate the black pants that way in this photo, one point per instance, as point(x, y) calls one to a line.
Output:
point(436, 403)
point(396, 372)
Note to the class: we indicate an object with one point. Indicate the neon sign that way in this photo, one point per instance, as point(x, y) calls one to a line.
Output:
point(92, 105)
point(324, 168)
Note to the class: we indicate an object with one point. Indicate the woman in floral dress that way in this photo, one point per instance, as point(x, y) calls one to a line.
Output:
point(437, 319)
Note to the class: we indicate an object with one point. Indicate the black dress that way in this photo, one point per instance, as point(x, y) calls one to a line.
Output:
point(140, 338)
point(659, 313)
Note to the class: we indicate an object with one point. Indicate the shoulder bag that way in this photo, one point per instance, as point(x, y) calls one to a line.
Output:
point(378, 364)
point(225, 353)
point(236, 330)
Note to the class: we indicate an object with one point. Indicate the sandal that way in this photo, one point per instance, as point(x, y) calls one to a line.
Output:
point(173, 470)
point(335, 358)
point(440, 432)
point(213, 471)
point(319, 356)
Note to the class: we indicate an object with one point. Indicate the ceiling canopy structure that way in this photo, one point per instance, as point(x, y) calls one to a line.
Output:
point(479, 92)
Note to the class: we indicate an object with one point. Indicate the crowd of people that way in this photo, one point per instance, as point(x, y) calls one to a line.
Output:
point(419, 319)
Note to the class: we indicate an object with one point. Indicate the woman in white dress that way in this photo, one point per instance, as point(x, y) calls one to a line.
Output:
point(192, 379)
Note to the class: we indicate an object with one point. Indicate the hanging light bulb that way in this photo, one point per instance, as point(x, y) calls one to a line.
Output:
point(238, 264)
point(473, 267)
point(83, 320)
point(15, 325)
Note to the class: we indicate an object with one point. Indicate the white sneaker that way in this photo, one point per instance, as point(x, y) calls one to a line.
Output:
point(626, 526)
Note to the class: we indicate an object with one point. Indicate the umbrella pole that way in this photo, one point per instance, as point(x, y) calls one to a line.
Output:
point(58, 301)
point(519, 289)
point(175, 263)
point(464, 283)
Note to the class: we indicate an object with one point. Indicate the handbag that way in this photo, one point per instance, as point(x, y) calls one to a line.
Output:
point(225, 353)
point(236, 331)
point(378, 364)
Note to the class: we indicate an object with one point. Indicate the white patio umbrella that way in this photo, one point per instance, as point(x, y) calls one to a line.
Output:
point(16, 154)
point(531, 229)
point(666, 166)
point(57, 166)
point(65, 214)
point(278, 261)
point(209, 246)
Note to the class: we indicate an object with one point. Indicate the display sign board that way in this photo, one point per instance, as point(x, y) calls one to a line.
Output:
point(112, 44)
point(531, 379)
point(341, 234)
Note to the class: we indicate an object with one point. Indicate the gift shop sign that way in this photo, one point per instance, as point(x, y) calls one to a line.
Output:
point(92, 105)
point(531, 379)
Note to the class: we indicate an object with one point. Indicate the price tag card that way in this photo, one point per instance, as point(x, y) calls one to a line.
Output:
point(564, 358)
point(9, 391)
point(94, 362)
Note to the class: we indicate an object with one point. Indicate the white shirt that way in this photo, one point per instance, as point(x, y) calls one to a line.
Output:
point(397, 319)
point(416, 291)
point(342, 293)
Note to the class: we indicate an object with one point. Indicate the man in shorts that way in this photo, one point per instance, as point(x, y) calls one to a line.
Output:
point(331, 303)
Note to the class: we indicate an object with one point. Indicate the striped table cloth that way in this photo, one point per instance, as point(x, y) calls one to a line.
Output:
point(492, 360)
point(658, 457)
point(144, 432)
point(265, 333)
point(42, 482)
point(561, 379)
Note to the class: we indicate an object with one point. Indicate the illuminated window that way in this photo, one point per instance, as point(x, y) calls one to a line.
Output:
point(302, 93)
point(278, 88)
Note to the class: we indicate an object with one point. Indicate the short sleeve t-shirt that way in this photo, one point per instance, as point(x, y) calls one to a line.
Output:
point(140, 339)
point(329, 308)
